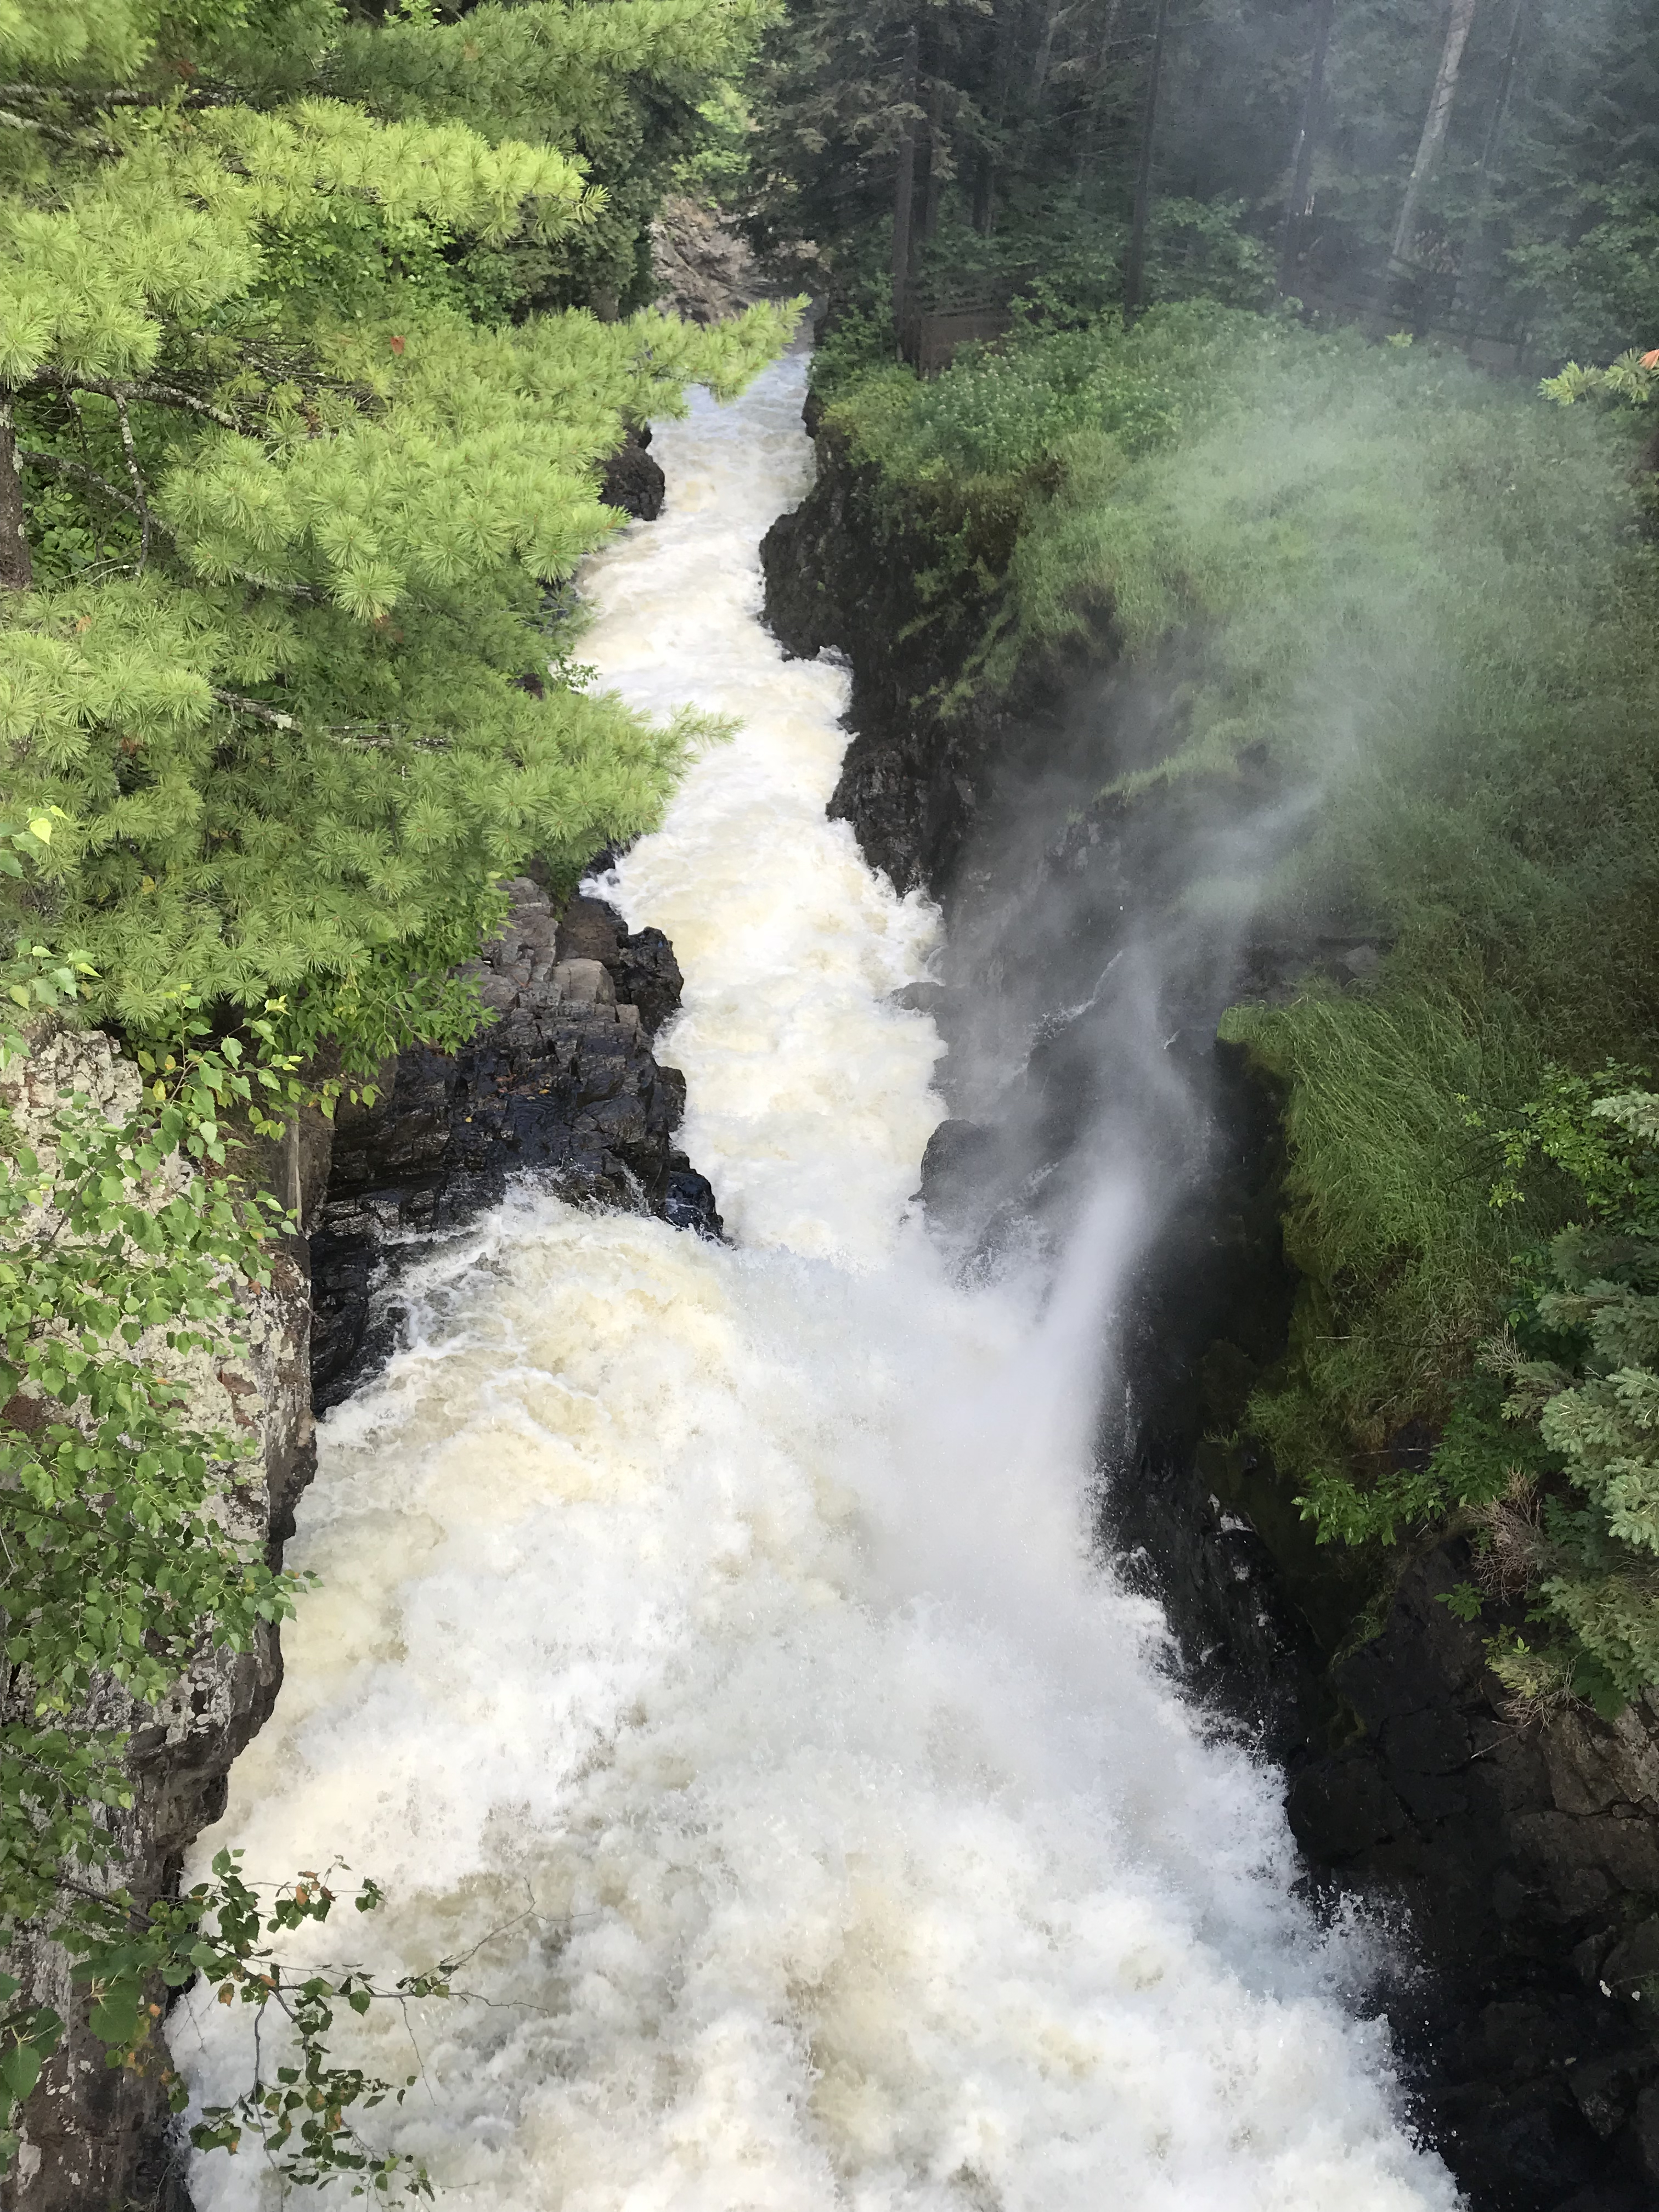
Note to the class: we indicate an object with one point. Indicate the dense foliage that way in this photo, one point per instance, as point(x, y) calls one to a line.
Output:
point(292, 506)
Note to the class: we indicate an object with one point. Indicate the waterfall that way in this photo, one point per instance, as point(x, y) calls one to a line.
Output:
point(710, 1643)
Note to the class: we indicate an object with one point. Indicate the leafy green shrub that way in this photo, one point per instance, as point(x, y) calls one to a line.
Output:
point(1576, 1525)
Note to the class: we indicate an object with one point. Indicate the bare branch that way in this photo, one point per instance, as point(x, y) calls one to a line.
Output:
point(307, 593)
point(160, 395)
point(128, 449)
point(59, 466)
point(103, 96)
point(16, 571)
point(343, 733)
point(256, 708)
point(88, 141)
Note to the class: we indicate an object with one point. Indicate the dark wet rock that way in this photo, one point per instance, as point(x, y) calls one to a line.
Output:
point(839, 574)
point(962, 1172)
point(923, 997)
point(562, 1087)
point(689, 1199)
point(704, 271)
point(643, 968)
point(632, 481)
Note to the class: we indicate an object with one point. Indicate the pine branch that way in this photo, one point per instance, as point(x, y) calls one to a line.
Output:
point(84, 141)
point(57, 463)
point(59, 466)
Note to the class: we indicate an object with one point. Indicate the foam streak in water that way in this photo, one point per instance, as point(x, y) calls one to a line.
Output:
point(711, 1632)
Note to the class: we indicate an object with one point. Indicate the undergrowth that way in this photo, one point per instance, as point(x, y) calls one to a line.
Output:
point(1426, 600)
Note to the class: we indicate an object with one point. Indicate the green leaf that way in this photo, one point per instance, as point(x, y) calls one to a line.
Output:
point(19, 2069)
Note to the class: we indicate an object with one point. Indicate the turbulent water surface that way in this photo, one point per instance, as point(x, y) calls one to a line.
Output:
point(709, 1644)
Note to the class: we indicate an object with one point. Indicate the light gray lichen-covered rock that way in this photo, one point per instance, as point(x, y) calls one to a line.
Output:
point(93, 2137)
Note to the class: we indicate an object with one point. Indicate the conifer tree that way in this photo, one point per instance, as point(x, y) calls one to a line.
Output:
point(282, 495)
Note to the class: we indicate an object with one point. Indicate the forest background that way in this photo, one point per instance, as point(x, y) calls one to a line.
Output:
point(316, 321)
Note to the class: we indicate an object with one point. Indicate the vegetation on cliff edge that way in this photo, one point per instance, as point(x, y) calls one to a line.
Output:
point(1427, 602)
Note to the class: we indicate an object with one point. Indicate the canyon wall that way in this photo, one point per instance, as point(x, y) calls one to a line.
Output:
point(1517, 1857)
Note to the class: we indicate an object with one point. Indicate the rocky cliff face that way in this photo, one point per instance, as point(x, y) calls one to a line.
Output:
point(93, 2136)
point(1519, 1858)
point(562, 1085)
point(839, 573)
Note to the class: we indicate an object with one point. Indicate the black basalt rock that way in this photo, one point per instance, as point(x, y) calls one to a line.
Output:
point(632, 481)
point(689, 1199)
point(562, 1087)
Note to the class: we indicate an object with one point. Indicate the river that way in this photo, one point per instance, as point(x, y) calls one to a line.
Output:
point(710, 1642)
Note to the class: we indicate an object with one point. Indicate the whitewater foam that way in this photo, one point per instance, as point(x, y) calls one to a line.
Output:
point(709, 1635)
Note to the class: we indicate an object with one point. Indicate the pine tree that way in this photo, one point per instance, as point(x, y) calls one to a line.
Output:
point(293, 495)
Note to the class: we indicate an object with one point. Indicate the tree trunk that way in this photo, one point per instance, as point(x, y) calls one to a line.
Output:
point(1296, 207)
point(1134, 266)
point(1044, 55)
point(934, 183)
point(1473, 293)
point(904, 191)
point(16, 570)
point(1090, 130)
point(1002, 68)
point(1428, 146)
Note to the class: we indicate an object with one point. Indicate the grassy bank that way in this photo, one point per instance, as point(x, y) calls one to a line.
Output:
point(1428, 600)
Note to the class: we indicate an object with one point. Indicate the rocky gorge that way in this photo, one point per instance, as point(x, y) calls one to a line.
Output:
point(1515, 1857)
point(1519, 1859)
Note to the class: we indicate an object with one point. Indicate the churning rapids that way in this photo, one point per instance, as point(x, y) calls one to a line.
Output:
point(710, 1642)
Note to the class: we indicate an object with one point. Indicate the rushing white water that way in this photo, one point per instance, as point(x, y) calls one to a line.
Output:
point(710, 1635)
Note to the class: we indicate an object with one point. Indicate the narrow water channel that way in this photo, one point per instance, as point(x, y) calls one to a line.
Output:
point(709, 1643)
